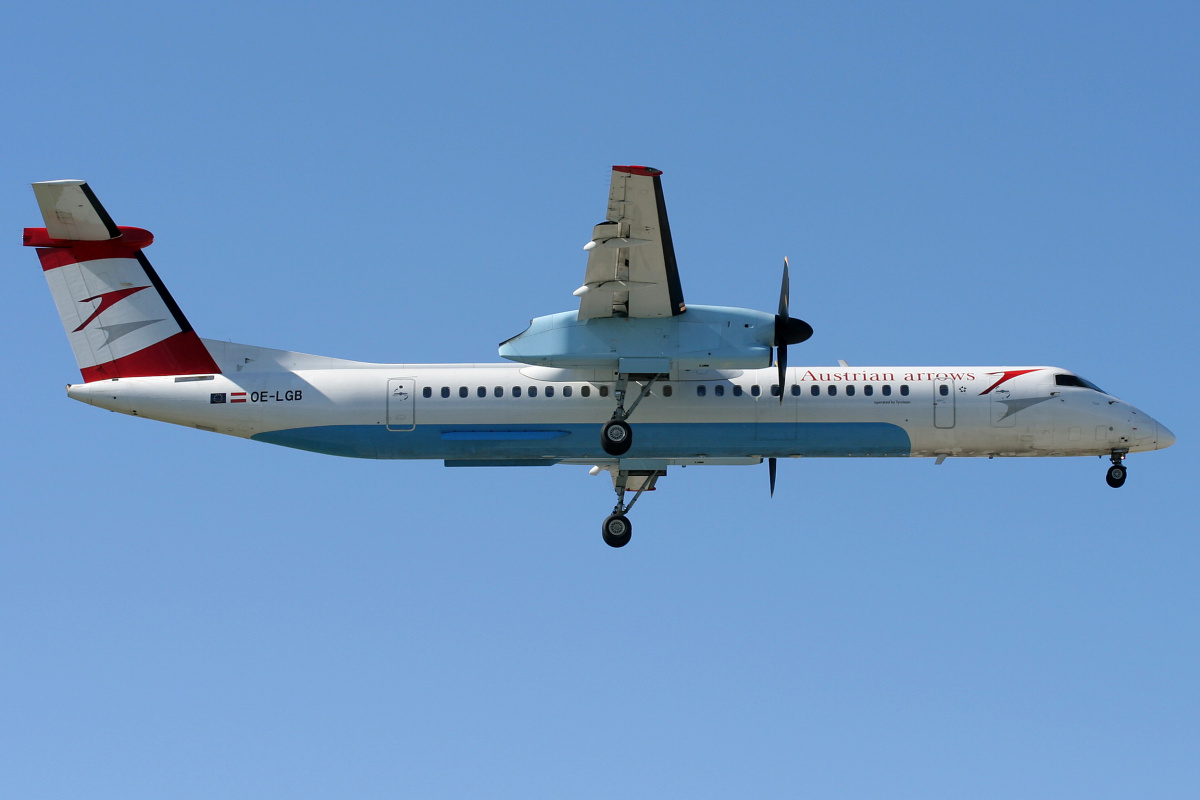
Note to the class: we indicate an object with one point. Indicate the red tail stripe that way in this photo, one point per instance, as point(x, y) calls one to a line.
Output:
point(181, 354)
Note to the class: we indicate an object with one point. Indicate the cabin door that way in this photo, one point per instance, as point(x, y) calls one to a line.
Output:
point(401, 400)
point(943, 404)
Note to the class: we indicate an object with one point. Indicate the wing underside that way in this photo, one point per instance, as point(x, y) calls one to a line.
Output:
point(631, 269)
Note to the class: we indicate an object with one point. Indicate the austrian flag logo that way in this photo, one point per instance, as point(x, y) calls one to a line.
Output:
point(217, 398)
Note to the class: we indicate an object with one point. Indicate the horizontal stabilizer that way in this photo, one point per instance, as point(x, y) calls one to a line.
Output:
point(72, 212)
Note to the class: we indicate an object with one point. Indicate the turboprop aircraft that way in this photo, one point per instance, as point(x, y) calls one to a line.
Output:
point(702, 384)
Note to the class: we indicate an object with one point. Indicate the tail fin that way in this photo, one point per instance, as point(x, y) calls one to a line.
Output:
point(119, 317)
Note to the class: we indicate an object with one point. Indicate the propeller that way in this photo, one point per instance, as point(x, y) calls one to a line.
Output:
point(787, 330)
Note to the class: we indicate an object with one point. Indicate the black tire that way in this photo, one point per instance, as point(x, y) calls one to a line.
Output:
point(616, 437)
point(617, 530)
point(1116, 476)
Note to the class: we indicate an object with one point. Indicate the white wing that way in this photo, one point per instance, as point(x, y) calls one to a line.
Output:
point(631, 268)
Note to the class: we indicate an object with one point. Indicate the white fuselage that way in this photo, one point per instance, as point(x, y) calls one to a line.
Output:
point(522, 415)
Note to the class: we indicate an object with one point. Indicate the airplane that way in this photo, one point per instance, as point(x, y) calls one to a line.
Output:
point(705, 385)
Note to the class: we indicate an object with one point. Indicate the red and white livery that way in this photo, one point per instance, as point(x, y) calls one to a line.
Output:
point(632, 382)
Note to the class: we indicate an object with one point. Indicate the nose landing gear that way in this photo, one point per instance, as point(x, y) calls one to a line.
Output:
point(1117, 472)
point(616, 437)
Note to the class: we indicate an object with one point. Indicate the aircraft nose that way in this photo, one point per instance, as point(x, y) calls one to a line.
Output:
point(1165, 437)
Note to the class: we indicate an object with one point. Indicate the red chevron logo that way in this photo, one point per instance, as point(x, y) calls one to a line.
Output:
point(1005, 377)
point(107, 300)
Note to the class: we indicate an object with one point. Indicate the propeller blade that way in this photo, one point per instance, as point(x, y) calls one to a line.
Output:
point(781, 363)
point(782, 320)
point(787, 329)
point(784, 291)
point(771, 471)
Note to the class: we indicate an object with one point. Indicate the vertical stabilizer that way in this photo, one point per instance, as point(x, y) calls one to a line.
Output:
point(119, 317)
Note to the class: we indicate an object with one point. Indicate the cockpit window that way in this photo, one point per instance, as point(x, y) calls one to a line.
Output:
point(1075, 380)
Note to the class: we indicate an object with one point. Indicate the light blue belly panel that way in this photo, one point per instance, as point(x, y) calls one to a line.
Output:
point(556, 442)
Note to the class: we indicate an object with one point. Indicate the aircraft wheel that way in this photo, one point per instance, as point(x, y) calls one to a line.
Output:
point(1116, 476)
point(617, 530)
point(616, 437)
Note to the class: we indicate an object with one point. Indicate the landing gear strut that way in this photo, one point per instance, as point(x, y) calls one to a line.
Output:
point(616, 437)
point(1117, 472)
point(617, 528)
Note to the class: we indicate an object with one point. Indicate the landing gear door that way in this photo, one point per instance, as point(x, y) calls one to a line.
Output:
point(401, 400)
point(943, 404)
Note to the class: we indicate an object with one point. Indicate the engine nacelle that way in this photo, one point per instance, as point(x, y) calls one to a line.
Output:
point(702, 337)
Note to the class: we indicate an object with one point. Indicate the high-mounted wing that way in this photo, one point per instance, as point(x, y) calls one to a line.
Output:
point(631, 270)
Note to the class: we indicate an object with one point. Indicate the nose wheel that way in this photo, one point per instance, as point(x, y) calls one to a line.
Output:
point(1117, 472)
point(616, 437)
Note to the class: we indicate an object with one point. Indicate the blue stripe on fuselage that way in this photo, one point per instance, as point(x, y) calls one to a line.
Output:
point(650, 440)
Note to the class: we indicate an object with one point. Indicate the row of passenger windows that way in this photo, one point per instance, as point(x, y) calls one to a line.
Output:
point(701, 390)
point(517, 391)
point(814, 390)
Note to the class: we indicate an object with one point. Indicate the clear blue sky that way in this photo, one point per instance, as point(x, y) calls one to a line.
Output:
point(192, 616)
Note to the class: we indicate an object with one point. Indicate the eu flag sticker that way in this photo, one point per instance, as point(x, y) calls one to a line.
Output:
point(216, 397)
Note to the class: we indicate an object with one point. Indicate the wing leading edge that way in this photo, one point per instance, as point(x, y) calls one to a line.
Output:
point(631, 269)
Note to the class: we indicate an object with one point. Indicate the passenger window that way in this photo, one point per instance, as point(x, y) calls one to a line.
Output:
point(427, 392)
point(533, 391)
point(943, 390)
point(868, 390)
point(445, 391)
point(850, 390)
point(887, 390)
point(585, 391)
point(737, 390)
point(481, 392)
point(516, 391)
point(755, 390)
point(795, 390)
point(776, 390)
point(549, 391)
point(832, 390)
point(814, 390)
point(667, 390)
point(462, 391)
point(604, 391)
point(700, 390)
point(719, 390)
point(567, 390)
point(904, 389)
point(498, 391)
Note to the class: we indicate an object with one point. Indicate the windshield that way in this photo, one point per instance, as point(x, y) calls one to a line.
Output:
point(1075, 380)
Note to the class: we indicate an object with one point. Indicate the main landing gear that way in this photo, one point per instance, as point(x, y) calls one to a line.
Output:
point(617, 529)
point(1117, 472)
point(616, 437)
